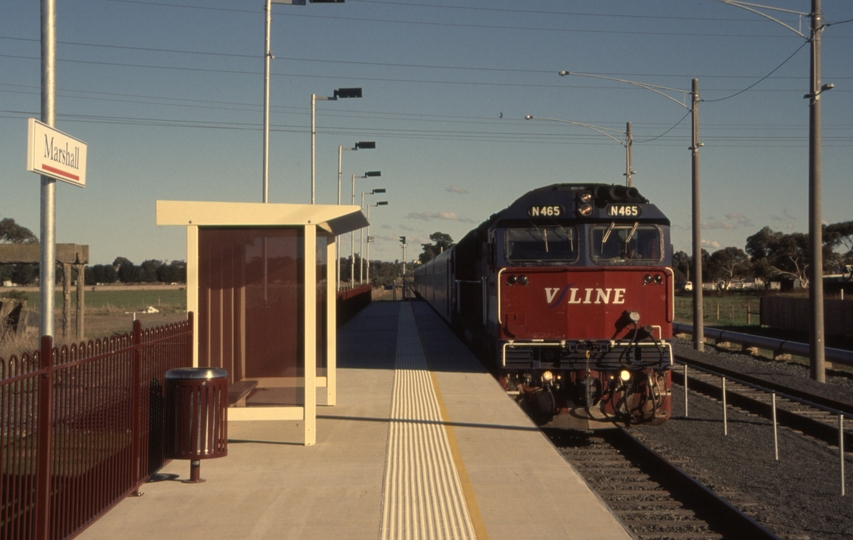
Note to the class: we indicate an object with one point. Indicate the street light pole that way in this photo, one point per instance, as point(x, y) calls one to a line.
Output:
point(368, 174)
point(698, 311)
point(629, 142)
point(817, 360)
point(603, 130)
point(380, 203)
point(403, 280)
point(816, 336)
point(698, 301)
point(267, 56)
point(361, 232)
point(361, 144)
point(339, 93)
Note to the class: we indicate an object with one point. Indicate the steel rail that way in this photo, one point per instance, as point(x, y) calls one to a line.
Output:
point(734, 522)
point(691, 507)
point(803, 396)
point(778, 346)
point(824, 431)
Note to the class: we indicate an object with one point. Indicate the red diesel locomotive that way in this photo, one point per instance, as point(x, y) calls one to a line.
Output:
point(567, 295)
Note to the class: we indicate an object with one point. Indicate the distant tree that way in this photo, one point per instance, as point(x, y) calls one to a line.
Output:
point(727, 264)
point(384, 273)
point(12, 233)
point(776, 254)
point(100, 273)
point(441, 242)
point(681, 266)
point(25, 274)
point(174, 272)
point(148, 270)
point(127, 271)
point(839, 236)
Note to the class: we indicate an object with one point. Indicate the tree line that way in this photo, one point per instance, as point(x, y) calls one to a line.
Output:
point(121, 270)
point(772, 256)
point(769, 255)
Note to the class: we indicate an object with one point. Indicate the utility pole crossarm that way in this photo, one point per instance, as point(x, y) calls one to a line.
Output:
point(751, 8)
point(653, 87)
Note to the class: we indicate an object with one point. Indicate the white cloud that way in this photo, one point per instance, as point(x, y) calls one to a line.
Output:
point(429, 216)
point(456, 189)
point(732, 221)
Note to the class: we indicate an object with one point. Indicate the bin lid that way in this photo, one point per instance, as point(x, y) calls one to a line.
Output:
point(195, 373)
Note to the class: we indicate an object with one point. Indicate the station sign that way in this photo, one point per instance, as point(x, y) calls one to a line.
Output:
point(55, 154)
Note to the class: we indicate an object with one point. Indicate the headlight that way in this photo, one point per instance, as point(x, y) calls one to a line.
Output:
point(625, 375)
point(547, 377)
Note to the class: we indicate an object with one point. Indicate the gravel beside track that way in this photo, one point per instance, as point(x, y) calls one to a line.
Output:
point(797, 497)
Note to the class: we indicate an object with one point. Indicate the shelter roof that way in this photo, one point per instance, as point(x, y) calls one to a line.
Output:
point(333, 218)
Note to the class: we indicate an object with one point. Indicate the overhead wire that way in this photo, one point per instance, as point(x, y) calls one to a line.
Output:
point(398, 65)
point(489, 27)
point(759, 81)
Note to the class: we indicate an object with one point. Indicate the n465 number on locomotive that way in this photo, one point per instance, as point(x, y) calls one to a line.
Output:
point(545, 210)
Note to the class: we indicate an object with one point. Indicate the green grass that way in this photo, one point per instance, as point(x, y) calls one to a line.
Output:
point(120, 300)
point(734, 310)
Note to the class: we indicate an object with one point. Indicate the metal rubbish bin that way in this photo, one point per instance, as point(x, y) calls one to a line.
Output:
point(196, 416)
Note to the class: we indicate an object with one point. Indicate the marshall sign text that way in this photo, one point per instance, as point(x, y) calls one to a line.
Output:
point(55, 154)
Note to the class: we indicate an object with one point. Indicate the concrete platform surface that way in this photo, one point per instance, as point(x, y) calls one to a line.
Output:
point(478, 469)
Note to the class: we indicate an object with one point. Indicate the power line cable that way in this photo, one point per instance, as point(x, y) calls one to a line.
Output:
point(665, 132)
point(364, 63)
point(482, 26)
point(761, 79)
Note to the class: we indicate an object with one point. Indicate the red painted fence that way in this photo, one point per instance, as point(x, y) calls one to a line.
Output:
point(351, 301)
point(81, 427)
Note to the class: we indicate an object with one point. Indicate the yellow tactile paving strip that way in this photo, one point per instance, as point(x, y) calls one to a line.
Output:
point(423, 495)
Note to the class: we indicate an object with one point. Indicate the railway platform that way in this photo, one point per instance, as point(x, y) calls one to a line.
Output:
point(423, 444)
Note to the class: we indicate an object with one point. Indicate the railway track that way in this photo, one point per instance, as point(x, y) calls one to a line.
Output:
point(652, 496)
point(810, 413)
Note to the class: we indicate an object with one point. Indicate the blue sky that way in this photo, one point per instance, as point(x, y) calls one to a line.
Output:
point(168, 95)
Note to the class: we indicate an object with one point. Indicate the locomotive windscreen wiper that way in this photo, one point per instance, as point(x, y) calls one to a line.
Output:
point(569, 237)
point(631, 234)
point(606, 235)
point(543, 234)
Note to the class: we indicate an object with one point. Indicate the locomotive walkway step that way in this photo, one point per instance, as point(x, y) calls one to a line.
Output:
point(423, 443)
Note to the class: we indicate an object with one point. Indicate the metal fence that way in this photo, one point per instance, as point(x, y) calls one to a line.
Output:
point(351, 301)
point(81, 427)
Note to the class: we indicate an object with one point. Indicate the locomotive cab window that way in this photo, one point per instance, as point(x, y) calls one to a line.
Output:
point(551, 243)
point(626, 243)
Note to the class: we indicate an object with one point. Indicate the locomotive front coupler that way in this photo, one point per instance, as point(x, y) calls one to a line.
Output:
point(590, 347)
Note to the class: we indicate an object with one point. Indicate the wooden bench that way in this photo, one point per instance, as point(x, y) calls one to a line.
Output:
point(239, 391)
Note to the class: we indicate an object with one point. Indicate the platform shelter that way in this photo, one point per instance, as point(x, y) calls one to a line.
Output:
point(260, 282)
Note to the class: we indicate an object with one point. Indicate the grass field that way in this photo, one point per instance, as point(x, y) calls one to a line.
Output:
point(735, 310)
point(110, 299)
point(109, 311)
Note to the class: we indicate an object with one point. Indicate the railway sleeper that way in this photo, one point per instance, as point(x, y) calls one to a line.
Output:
point(786, 410)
